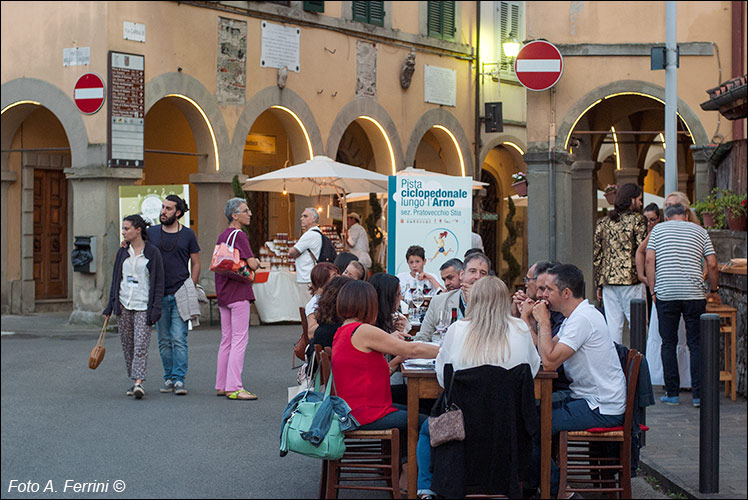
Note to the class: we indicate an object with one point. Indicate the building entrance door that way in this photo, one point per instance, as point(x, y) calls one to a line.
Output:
point(50, 234)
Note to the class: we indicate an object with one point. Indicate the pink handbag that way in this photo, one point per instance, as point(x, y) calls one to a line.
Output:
point(226, 260)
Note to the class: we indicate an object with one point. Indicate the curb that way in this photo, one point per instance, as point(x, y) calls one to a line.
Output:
point(665, 481)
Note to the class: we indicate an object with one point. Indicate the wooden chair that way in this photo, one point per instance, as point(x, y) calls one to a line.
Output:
point(303, 341)
point(580, 458)
point(369, 455)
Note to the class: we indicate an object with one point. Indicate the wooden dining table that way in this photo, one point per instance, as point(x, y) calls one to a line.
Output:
point(422, 384)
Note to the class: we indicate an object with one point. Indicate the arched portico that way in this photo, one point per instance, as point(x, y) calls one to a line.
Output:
point(451, 138)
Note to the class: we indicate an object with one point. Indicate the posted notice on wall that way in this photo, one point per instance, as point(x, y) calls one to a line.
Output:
point(440, 85)
point(280, 46)
point(146, 201)
point(432, 211)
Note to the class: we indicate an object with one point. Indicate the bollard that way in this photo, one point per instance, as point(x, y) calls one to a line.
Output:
point(638, 329)
point(709, 418)
point(639, 325)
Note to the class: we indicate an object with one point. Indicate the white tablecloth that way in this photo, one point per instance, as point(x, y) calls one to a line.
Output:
point(279, 298)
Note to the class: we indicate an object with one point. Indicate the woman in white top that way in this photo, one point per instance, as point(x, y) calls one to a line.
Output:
point(489, 335)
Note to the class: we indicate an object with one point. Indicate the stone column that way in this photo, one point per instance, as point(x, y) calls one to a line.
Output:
point(213, 191)
point(702, 185)
point(95, 207)
point(8, 177)
point(584, 215)
point(542, 245)
point(627, 176)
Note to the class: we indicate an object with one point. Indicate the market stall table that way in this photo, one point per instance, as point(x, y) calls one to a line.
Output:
point(279, 298)
point(422, 384)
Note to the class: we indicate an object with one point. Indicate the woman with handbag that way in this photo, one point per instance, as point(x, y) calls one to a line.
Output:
point(234, 295)
point(362, 374)
point(489, 335)
point(135, 297)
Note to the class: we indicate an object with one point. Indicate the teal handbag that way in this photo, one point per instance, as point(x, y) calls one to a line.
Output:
point(332, 446)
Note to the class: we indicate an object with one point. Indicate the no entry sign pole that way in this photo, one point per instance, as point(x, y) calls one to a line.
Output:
point(539, 65)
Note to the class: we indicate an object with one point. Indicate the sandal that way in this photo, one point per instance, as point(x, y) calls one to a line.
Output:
point(242, 394)
point(221, 393)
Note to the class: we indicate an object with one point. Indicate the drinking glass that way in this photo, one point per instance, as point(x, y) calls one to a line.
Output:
point(417, 298)
point(442, 324)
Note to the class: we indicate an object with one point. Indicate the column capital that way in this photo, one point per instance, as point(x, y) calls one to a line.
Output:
point(8, 176)
point(103, 172)
point(703, 153)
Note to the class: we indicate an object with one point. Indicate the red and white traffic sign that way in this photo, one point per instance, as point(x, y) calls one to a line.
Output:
point(539, 65)
point(89, 93)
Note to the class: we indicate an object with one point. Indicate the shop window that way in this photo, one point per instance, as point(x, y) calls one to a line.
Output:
point(441, 20)
point(314, 6)
point(510, 23)
point(368, 12)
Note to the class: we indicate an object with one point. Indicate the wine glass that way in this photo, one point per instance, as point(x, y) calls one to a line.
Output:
point(426, 288)
point(417, 298)
point(442, 324)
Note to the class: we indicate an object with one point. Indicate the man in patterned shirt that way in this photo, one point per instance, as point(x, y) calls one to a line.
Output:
point(617, 237)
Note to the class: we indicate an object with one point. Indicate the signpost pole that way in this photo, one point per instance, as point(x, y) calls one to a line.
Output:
point(671, 99)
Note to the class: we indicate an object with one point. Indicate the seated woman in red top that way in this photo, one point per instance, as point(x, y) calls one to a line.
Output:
point(362, 374)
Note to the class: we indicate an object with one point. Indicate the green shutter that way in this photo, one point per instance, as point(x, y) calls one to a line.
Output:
point(314, 6)
point(376, 13)
point(509, 15)
point(360, 11)
point(441, 20)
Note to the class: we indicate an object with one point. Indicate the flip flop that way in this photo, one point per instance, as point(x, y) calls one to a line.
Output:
point(242, 395)
point(221, 393)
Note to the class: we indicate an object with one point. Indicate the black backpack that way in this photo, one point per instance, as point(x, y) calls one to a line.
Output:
point(327, 253)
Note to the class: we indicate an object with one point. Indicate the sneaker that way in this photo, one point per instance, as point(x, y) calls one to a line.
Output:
point(697, 402)
point(179, 389)
point(168, 386)
point(670, 400)
point(138, 391)
point(129, 391)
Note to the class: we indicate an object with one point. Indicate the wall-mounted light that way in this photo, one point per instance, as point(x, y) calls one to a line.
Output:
point(457, 147)
point(615, 143)
point(386, 140)
point(207, 122)
point(18, 103)
point(510, 46)
point(301, 126)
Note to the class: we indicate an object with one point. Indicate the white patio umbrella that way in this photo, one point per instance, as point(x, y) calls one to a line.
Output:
point(421, 172)
point(320, 176)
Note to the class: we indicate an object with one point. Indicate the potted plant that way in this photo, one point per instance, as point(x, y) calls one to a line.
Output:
point(520, 183)
point(610, 193)
point(706, 210)
point(734, 207)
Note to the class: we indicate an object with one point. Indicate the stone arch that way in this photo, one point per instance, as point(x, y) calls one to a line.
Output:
point(499, 141)
point(440, 116)
point(566, 124)
point(52, 98)
point(261, 102)
point(371, 108)
point(165, 84)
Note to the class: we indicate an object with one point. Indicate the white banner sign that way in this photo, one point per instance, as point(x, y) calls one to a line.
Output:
point(434, 212)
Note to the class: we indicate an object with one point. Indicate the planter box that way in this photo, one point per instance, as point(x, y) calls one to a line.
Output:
point(520, 187)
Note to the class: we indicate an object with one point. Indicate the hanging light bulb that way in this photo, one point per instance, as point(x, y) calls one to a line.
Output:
point(284, 188)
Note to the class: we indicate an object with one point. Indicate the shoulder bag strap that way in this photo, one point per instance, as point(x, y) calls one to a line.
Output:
point(451, 386)
point(232, 238)
point(310, 250)
point(102, 334)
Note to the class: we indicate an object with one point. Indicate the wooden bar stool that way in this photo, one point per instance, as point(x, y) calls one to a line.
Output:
point(727, 328)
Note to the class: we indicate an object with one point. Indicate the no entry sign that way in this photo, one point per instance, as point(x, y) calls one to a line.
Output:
point(89, 93)
point(539, 65)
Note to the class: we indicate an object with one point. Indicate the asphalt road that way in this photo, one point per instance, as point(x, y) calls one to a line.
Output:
point(63, 422)
point(65, 426)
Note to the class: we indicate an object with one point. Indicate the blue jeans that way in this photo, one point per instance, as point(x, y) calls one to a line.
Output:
point(423, 454)
point(398, 419)
point(569, 415)
point(172, 340)
point(668, 315)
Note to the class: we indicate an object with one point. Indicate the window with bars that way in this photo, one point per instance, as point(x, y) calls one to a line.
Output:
point(510, 23)
point(314, 6)
point(441, 20)
point(368, 12)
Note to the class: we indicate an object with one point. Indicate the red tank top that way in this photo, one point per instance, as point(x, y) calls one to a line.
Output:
point(362, 379)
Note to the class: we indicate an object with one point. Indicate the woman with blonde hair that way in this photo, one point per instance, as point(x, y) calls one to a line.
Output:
point(489, 335)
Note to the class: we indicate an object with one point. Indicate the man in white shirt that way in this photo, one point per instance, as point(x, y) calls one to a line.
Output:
point(584, 346)
point(310, 241)
point(358, 240)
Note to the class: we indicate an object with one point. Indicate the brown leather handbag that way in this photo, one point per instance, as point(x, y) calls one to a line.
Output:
point(97, 353)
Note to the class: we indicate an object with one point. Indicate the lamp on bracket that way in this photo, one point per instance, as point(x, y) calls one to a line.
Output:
point(510, 47)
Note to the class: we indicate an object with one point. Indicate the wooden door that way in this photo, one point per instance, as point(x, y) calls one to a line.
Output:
point(50, 234)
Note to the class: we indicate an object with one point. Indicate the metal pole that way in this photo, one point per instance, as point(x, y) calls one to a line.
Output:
point(671, 99)
point(709, 418)
point(638, 330)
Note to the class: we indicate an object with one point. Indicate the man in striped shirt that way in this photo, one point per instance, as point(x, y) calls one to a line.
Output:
point(674, 270)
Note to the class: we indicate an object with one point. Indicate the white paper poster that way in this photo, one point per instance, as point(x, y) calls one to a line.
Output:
point(434, 212)
point(280, 46)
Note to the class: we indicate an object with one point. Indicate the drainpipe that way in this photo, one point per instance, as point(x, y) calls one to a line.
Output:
point(552, 180)
point(738, 53)
point(478, 166)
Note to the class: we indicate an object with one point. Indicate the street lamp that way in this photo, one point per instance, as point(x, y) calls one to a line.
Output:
point(510, 47)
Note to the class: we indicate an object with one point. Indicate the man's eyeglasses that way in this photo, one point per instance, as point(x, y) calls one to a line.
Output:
point(526, 280)
point(247, 211)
